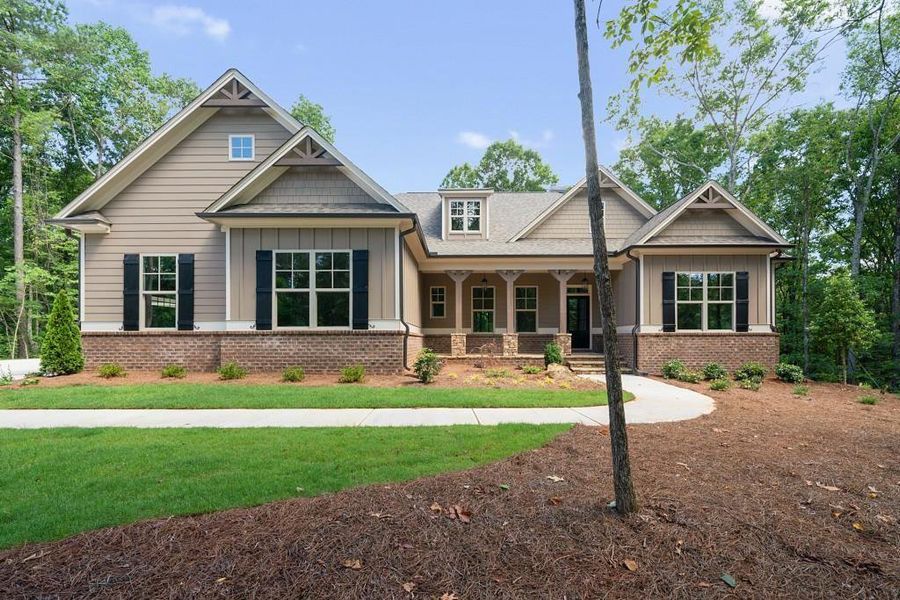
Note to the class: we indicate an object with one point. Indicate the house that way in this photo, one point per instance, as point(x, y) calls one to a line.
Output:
point(235, 233)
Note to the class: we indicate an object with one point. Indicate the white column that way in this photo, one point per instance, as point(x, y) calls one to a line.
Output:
point(458, 278)
point(562, 276)
point(510, 278)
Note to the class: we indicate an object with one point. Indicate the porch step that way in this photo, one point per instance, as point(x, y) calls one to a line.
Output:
point(587, 364)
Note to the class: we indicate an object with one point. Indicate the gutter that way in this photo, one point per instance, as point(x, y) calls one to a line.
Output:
point(637, 312)
point(400, 237)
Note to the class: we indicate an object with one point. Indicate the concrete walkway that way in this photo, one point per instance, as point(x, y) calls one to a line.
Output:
point(655, 402)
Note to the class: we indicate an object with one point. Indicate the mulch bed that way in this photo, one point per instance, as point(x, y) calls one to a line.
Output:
point(792, 497)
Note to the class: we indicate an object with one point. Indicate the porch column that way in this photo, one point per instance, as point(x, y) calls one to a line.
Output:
point(510, 338)
point(458, 337)
point(563, 339)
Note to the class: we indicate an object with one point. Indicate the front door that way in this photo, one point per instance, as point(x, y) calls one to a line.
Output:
point(578, 321)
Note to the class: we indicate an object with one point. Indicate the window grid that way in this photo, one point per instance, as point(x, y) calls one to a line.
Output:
point(526, 309)
point(465, 216)
point(483, 304)
point(159, 288)
point(312, 287)
point(704, 301)
point(438, 302)
point(241, 147)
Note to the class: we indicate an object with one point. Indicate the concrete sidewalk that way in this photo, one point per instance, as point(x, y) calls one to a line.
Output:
point(655, 402)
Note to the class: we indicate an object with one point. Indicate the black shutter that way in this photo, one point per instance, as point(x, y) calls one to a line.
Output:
point(668, 300)
point(263, 290)
point(185, 292)
point(742, 301)
point(360, 289)
point(131, 293)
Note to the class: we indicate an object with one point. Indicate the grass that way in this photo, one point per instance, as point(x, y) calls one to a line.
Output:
point(57, 482)
point(218, 395)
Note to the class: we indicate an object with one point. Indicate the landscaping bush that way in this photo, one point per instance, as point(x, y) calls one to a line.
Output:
point(427, 365)
point(714, 371)
point(352, 374)
point(110, 370)
point(751, 371)
point(553, 354)
point(232, 370)
point(689, 376)
point(801, 390)
point(173, 372)
point(6, 378)
point(61, 349)
point(532, 369)
point(719, 385)
point(869, 400)
point(497, 373)
point(789, 373)
point(671, 369)
point(293, 375)
point(749, 384)
point(30, 381)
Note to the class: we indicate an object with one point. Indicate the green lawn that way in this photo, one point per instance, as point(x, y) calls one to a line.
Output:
point(57, 482)
point(222, 395)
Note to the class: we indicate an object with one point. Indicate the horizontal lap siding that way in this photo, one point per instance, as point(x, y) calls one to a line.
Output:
point(156, 214)
point(571, 221)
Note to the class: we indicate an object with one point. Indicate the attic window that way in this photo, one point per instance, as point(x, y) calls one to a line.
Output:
point(241, 147)
point(465, 216)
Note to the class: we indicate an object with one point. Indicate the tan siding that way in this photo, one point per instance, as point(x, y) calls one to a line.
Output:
point(696, 222)
point(755, 265)
point(412, 306)
point(156, 214)
point(313, 185)
point(378, 241)
point(428, 280)
point(623, 289)
point(571, 219)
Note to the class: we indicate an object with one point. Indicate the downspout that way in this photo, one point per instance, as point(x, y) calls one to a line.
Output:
point(637, 313)
point(400, 237)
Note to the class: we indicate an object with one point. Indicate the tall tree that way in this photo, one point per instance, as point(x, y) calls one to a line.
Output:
point(507, 167)
point(312, 114)
point(626, 500)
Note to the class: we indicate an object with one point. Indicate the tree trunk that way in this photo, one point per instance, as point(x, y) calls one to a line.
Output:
point(895, 300)
point(804, 287)
point(626, 501)
point(23, 341)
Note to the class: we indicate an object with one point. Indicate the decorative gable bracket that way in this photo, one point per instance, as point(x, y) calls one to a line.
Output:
point(711, 198)
point(308, 153)
point(234, 94)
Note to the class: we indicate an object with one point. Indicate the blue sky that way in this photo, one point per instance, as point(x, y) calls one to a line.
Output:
point(413, 87)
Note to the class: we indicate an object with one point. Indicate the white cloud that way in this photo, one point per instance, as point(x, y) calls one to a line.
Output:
point(185, 20)
point(473, 139)
point(771, 9)
point(546, 137)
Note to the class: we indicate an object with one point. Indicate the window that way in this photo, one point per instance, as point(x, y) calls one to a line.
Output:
point(312, 287)
point(704, 301)
point(465, 216)
point(438, 302)
point(526, 309)
point(483, 309)
point(240, 147)
point(159, 286)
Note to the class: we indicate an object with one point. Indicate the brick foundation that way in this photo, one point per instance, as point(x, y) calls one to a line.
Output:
point(316, 351)
point(533, 343)
point(414, 345)
point(438, 343)
point(484, 343)
point(697, 349)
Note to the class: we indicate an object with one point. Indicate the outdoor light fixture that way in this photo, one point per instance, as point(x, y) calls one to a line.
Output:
point(484, 282)
point(584, 281)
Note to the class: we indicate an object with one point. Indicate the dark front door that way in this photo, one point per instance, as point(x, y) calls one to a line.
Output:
point(578, 321)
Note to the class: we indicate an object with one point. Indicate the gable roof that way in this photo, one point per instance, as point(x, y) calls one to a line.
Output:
point(709, 189)
point(173, 131)
point(268, 171)
point(612, 182)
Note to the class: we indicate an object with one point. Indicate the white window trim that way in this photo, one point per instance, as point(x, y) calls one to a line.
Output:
point(252, 146)
point(431, 301)
point(465, 216)
point(493, 311)
point(515, 324)
point(704, 302)
point(313, 303)
point(142, 311)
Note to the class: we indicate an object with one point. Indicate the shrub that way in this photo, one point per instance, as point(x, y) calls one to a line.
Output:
point(532, 369)
point(61, 349)
point(751, 371)
point(869, 400)
point(110, 370)
point(352, 374)
point(427, 365)
point(789, 373)
point(173, 372)
point(671, 369)
point(30, 381)
point(232, 370)
point(553, 354)
point(801, 390)
point(689, 376)
point(749, 384)
point(719, 385)
point(714, 371)
point(6, 378)
point(293, 375)
point(497, 373)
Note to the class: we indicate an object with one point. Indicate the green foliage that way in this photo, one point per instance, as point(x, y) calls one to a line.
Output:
point(789, 373)
point(719, 385)
point(111, 370)
point(714, 371)
point(672, 368)
point(427, 365)
point(532, 369)
point(6, 377)
point(751, 371)
point(313, 115)
point(30, 381)
point(801, 390)
point(750, 384)
point(173, 372)
point(61, 348)
point(553, 354)
point(232, 370)
point(497, 373)
point(293, 375)
point(505, 167)
point(690, 376)
point(352, 374)
point(868, 399)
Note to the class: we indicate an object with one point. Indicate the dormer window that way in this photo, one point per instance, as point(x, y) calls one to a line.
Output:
point(465, 216)
point(241, 147)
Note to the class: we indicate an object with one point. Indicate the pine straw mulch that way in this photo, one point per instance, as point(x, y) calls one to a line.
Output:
point(791, 496)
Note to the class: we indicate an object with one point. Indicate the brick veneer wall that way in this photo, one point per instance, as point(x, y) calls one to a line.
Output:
point(414, 345)
point(315, 351)
point(481, 343)
point(697, 349)
point(438, 343)
point(533, 343)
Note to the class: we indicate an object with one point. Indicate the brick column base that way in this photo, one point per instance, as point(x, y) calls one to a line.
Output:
point(564, 340)
point(510, 344)
point(457, 344)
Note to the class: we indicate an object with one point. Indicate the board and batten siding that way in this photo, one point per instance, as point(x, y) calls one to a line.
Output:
point(378, 241)
point(571, 220)
point(155, 214)
point(755, 265)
